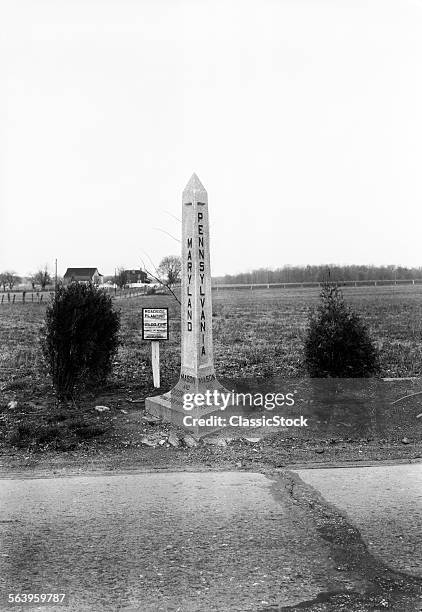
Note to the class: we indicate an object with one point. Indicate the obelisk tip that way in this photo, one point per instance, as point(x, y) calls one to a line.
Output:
point(194, 184)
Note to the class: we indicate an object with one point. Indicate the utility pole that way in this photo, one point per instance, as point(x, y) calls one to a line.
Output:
point(55, 277)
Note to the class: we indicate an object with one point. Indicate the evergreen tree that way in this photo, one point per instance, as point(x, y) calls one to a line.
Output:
point(79, 338)
point(338, 343)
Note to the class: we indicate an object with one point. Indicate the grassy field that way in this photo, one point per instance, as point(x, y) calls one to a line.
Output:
point(256, 334)
point(258, 340)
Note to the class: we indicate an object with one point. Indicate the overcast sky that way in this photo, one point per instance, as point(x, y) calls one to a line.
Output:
point(303, 119)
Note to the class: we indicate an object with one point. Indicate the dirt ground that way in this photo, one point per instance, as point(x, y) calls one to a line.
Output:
point(126, 438)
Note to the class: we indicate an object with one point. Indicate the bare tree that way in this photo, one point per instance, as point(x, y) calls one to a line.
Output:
point(42, 278)
point(9, 279)
point(170, 269)
point(122, 278)
point(157, 278)
point(3, 280)
point(31, 278)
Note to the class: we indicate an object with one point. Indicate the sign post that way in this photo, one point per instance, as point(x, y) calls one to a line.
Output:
point(155, 358)
point(155, 328)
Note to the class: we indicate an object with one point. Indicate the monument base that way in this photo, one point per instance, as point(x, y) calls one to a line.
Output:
point(170, 407)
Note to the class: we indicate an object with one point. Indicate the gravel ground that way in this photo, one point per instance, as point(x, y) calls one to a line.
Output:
point(184, 541)
point(385, 504)
point(190, 541)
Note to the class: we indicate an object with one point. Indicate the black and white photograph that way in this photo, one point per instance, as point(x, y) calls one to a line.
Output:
point(210, 305)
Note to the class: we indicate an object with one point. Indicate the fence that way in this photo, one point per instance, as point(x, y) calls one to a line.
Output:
point(120, 294)
point(25, 297)
point(355, 283)
point(38, 297)
point(42, 297)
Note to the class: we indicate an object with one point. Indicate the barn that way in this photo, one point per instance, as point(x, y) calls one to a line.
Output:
point(83, 275)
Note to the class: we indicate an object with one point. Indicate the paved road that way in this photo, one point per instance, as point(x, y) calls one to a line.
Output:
point(385, 503)
point(182, 541)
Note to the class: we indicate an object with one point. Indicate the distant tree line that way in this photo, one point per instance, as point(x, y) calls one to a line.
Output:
point(333, 273)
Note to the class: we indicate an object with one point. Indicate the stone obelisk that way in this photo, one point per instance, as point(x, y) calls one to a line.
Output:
point(197, 361)
point(197, 373)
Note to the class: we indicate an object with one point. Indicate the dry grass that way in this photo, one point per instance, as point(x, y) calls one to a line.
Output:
point(267, 328)
point(256, 333)
point(258, 339)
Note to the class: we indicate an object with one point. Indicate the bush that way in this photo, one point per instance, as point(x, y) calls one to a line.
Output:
point(338, 343)
point(79, 338)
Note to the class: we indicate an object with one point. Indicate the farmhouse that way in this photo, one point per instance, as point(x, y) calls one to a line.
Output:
point(136, 276)
point(83, 275)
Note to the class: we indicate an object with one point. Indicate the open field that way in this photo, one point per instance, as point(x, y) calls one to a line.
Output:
point(258, 338)
point(256, 334)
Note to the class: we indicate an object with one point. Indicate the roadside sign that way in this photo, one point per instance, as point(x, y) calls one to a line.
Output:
point(155, 324)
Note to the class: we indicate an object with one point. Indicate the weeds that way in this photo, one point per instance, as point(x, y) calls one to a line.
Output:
point(62, 434)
